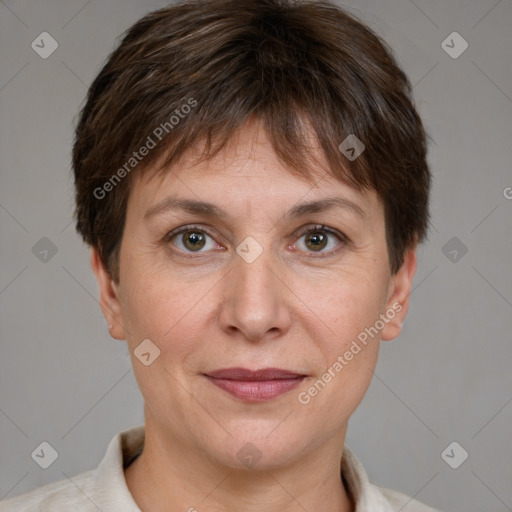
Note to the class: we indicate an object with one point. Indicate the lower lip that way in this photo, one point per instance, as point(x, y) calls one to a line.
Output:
point(256, 390)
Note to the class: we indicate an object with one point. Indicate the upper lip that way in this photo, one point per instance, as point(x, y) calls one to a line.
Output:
point(246, 374)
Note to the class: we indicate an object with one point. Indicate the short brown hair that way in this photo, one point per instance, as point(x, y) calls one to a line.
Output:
point(290, 64)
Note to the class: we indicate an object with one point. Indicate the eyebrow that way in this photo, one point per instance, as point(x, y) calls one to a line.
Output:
point(212, 210)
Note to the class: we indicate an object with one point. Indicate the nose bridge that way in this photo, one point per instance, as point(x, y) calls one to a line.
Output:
point(253, 275)
point(254, 296)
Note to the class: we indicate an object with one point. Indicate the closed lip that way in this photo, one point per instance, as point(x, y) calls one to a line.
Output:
point(244, 374)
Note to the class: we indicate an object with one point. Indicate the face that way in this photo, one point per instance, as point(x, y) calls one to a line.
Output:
point(257, 283)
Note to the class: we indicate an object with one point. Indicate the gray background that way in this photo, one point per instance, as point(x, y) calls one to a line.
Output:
point(447, 378)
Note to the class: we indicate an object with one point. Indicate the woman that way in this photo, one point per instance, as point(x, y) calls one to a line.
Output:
point(251, 177)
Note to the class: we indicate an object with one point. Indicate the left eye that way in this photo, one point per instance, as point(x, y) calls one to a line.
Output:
point(195, 239)
point(318, 238)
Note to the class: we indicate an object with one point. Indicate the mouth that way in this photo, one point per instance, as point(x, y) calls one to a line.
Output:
point(255, 386)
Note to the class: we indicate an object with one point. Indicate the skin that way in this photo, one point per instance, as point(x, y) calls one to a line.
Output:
point(295, 307)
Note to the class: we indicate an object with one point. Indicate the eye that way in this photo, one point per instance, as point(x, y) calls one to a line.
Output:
point(319, 237)
point(193, 239)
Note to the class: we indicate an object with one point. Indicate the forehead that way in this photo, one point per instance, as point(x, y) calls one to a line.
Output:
point(246, 172)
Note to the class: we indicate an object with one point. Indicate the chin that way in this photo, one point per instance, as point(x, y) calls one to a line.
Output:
point(257, 449)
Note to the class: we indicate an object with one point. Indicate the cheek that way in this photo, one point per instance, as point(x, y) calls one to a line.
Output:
point(165, 315)
point(174, 313)
point(350, 309)
point(350, 303)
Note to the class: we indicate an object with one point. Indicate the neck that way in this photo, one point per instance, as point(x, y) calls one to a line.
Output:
point(168, 475)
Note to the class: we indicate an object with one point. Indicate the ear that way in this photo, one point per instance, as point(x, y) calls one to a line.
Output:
point(397, 303)
point(109, 300)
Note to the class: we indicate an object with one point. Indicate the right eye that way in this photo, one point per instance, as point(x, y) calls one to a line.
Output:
point(192, 240)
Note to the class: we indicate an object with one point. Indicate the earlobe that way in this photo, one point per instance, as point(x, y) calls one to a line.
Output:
point(397, 303)
point(109, 300)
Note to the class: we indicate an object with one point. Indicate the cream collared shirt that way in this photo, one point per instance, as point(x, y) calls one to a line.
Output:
point(104, 489)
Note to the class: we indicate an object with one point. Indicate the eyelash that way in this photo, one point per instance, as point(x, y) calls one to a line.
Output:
point(315, 229)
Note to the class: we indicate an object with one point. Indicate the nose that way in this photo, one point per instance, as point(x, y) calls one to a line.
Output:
point(256, 299)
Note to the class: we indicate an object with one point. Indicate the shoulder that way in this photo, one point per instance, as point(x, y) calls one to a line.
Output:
point(67, 495)
point(101, 488)
point(402, 502)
